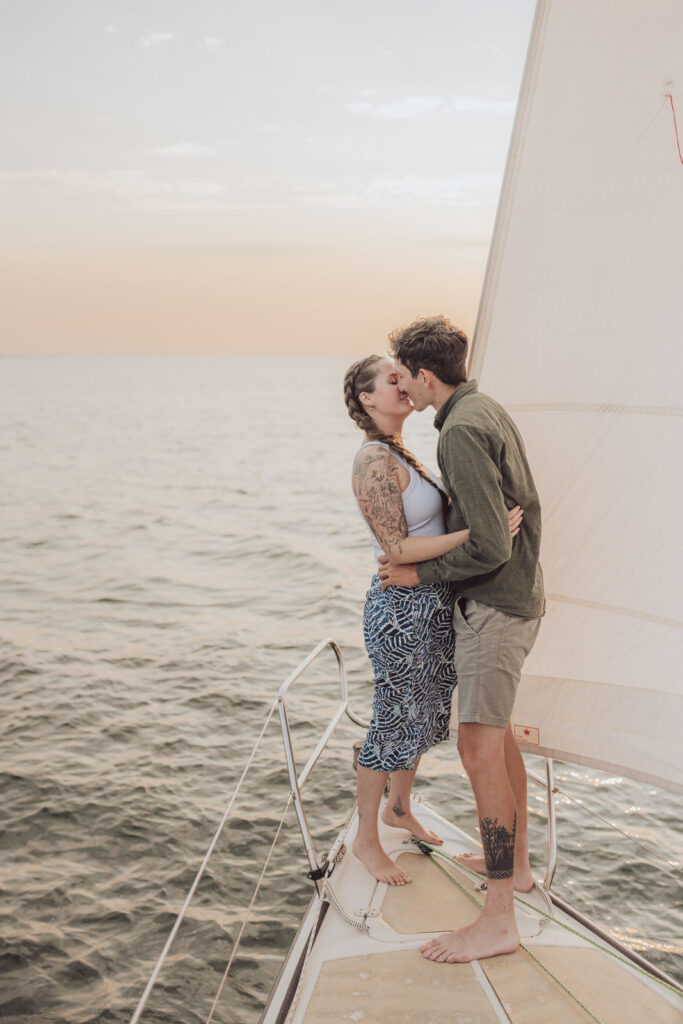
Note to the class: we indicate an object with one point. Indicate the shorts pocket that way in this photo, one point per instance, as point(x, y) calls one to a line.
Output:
point(472, 616)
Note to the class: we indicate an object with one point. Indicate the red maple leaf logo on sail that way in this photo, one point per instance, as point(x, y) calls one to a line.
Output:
point(526, 734)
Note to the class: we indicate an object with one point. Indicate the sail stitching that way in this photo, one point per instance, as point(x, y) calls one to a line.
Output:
point(630, 410)
point(616, 609)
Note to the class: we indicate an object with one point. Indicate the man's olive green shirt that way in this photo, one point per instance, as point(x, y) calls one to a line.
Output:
point(485, 473)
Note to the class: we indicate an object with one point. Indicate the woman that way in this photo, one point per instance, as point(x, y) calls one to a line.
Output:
point(408, 630)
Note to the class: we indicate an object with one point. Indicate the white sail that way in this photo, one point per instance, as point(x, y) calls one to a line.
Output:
point(580, 336)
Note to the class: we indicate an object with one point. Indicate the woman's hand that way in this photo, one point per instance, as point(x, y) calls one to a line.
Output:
point(515, 517)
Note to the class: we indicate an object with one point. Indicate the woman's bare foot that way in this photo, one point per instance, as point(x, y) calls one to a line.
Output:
point(379, 863)
point(523, 879)
point(475, 942)
point(396, 817)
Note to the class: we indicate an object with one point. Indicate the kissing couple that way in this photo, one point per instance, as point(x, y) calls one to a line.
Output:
point(458, 596)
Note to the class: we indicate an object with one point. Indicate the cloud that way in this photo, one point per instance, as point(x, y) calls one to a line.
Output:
point(155, 39)
point(410, 106)
point(142, 190)
point(394, 193)
point(209, 43)
point(468, 188)
point(184, 151)
point(430, 107)
point(135, 188)
point(477, 105)
point(112, 30)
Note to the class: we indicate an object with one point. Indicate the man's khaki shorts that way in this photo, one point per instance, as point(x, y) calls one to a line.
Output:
point(490, 648)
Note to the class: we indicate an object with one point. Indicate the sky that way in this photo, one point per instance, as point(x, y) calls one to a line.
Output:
point(214, 177)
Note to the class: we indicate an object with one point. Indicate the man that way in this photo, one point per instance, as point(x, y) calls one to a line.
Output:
point(499, 603)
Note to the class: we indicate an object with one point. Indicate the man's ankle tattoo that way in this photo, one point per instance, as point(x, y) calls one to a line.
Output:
point(499, 847)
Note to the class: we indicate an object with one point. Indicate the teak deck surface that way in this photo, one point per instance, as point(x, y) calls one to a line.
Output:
point(399, 986)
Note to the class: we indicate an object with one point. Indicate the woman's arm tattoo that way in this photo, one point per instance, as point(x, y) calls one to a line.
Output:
point(376, 485)
point(499, 847)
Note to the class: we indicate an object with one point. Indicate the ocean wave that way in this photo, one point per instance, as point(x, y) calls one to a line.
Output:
point(156, 596)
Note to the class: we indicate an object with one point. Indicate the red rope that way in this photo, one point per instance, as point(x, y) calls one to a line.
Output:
point(678, 141)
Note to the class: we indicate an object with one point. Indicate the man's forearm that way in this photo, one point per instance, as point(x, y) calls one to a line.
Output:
point(470, 462)
point(471, 559)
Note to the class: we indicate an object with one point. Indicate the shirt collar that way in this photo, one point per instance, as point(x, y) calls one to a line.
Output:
point(462, 389)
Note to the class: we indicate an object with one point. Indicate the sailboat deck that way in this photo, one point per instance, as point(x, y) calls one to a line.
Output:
point(403, 986)
point(381, 976)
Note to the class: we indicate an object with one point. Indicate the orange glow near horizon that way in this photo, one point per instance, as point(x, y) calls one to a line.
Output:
point(214, 304)
point(164, 189)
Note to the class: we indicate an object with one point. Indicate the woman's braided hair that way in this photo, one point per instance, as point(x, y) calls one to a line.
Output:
point(360, 377)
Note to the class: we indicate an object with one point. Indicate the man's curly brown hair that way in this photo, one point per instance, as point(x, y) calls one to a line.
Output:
point(432, 343)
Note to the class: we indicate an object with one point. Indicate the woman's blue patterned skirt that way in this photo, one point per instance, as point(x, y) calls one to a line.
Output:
point(409, 638)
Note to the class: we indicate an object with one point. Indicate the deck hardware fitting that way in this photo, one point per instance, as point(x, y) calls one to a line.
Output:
point(354, 922)
point(298, 779)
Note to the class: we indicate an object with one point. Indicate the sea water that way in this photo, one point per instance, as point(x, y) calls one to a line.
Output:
point(175, 535)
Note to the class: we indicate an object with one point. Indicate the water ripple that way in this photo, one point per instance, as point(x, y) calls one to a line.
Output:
point(167, 558)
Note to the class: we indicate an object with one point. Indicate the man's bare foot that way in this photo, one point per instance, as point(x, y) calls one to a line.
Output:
point(475, 942)
point(408, 821)
point(523, 879)
point(379, 863)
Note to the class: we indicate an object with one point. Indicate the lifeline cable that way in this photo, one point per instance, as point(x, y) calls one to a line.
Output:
point(615, 828)
point(174, 930)
point(249, 910)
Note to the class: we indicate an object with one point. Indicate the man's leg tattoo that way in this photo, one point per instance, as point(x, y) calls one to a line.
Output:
point(499, 847)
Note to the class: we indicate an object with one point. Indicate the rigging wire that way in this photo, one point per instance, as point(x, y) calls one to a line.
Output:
point(654, 117)
point(174, 930)
point(249, 910)
point(615, 828)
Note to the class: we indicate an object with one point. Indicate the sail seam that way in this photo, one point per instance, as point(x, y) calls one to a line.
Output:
point(631, 613)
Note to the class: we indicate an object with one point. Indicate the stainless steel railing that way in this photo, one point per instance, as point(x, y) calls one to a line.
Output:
point(297, 780)
point(548, 783)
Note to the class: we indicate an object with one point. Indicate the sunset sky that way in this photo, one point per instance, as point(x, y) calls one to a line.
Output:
point(265, 177)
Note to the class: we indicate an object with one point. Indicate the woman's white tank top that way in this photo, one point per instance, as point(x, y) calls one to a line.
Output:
point(422, 504)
